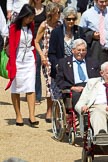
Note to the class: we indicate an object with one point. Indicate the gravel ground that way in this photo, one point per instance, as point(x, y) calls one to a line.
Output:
point(33, 144)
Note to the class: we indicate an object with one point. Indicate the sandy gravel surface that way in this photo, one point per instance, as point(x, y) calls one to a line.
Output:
point(32, 144)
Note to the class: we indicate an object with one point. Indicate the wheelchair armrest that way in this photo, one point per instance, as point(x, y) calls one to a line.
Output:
point(66, 91)
point(67, 98)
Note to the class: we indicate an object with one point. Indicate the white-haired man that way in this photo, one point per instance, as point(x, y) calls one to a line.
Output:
point(14, 7)
point(94, 98)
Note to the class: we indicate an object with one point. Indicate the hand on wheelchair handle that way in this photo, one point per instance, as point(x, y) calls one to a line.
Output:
point(77, 88)
point(84, 109)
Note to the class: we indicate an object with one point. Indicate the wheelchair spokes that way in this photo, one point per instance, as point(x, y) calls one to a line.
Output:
point(63, 123)
point(58, 120)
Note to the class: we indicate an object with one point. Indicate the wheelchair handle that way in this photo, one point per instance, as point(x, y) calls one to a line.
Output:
point(66, 91)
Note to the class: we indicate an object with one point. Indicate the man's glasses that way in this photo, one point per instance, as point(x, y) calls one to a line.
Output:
point(69, 19)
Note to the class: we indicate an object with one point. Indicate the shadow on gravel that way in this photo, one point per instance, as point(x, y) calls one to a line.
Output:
point(97, 159)
point(25, 100)
point(43, 98)
point(41, 116)
point(5, 103)
point(13, 122)
point(78, 140)
point(49, 130)
point(77, 160)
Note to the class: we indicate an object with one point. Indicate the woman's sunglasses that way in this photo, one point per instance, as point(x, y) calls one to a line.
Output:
point(69, 19)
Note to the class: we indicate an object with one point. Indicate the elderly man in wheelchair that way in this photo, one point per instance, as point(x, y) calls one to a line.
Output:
point(75, 70)
point(94, 98)
point(94, 102)
point(72, 75)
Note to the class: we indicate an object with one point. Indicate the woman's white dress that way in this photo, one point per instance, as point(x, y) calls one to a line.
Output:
point(24, 81)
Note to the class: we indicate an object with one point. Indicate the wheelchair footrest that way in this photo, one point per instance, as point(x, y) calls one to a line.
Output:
point(101, 139)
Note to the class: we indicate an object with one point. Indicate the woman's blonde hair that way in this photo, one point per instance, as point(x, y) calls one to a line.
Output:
point(32, 2)
point(51, 9)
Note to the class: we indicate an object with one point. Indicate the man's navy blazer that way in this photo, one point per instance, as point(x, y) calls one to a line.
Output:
point(65, 75)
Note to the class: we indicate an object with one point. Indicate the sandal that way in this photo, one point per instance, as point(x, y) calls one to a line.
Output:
point(38, 102)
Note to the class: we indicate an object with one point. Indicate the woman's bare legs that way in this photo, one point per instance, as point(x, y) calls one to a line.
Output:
point(49, 108)
point(16, 103)
point(31, 105)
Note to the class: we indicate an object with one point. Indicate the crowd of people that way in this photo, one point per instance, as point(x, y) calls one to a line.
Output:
point(47, 34)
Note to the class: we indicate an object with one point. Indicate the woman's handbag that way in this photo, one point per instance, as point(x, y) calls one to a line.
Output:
point(3, 63)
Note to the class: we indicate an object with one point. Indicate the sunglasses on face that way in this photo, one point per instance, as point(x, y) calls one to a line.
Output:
point(69, 19)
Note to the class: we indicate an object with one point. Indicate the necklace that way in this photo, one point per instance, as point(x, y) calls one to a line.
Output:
point(39, 11)
point(25, 31)
point(68, 34)
point(26, 39)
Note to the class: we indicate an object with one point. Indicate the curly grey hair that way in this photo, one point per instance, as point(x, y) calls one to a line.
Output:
point(51, 9)
point(68, 11)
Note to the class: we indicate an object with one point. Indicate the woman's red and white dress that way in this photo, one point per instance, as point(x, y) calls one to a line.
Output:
point(24, 80)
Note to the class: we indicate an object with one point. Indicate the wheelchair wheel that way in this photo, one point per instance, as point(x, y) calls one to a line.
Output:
point(71, 137)
point(89, 158)
point(58, 119)
point(86, 158)
point(84, 155)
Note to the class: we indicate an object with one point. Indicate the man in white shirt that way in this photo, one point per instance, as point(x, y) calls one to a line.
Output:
point(72, 3)
point(14, 7)
point(3, 27)
point(95, 20)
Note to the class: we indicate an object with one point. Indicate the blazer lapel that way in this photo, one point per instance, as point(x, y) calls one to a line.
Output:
point(94, 92)
point(75, 32)
point(70, 69)
point(61, 37)
point(88, 67)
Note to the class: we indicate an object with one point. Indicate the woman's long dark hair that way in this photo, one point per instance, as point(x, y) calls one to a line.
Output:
point(26, 11)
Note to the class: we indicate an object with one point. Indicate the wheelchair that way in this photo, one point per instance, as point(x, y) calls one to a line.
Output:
point(64, 118)
point(93, 145)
